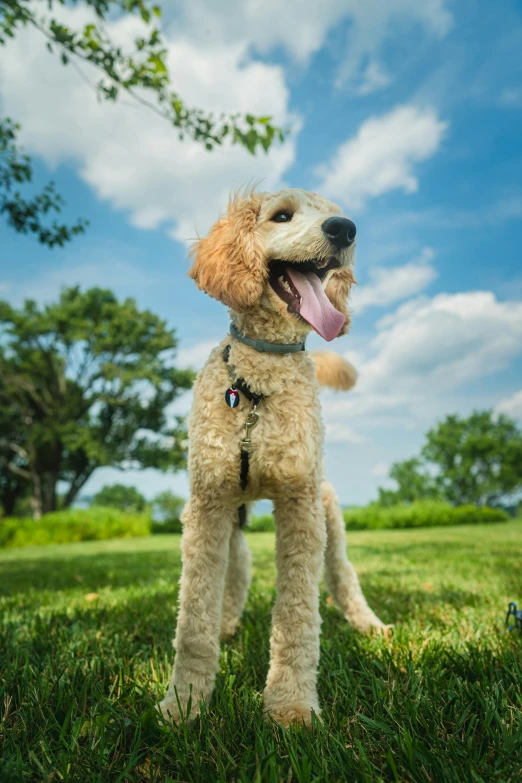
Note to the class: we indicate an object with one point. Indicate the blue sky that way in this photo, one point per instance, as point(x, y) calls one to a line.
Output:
point(407, 114)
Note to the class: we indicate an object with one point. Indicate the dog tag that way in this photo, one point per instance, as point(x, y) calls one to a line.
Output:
point(232, 397)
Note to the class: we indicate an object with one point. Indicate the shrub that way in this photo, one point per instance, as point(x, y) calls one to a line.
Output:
point(63, 527)
point(168, 526)
point(420, 514)
point(262, 524)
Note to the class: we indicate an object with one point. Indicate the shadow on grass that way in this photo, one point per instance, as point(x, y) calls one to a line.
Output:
point(396, 605)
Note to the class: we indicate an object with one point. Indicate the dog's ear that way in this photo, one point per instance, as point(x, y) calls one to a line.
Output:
point(229, 263)
point(337, 291)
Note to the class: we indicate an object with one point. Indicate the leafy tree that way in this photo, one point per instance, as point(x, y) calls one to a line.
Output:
point(140, 74)
point(414, 483)
point(464, 460)
point(166, 512)
point(87, 382)
point(27, 215)
point(168, 505)
point(119, 496)
point(478, 459)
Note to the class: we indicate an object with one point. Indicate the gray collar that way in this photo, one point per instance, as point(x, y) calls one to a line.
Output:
point(264, 347)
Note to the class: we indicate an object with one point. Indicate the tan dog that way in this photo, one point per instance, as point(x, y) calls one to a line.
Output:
point(283, 264)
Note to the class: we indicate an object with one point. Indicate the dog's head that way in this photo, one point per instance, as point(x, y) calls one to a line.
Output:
point(289, 252)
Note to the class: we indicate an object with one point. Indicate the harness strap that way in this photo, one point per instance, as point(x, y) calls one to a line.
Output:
point(241, 384)
point(255, 399)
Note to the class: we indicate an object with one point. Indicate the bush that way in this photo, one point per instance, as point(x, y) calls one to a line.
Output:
point(63, 527)
point(168, 526)
point(262, 524)
point(420, 514)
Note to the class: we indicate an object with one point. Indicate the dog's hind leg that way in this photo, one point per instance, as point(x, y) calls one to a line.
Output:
point(236, 584)
point(207, 527)
point(340, 576)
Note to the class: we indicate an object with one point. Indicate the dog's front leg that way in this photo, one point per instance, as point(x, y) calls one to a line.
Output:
point(207, 526)
point(290, 693)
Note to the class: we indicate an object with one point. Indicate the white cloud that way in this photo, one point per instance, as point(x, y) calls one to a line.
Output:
point(301, 28)
point(422, 355)
point(393, 284)
point(374, 78)
point(381, 469)
point(195, 356)
point(511, 96)
point(511, 406)
point(382, 156)
point(341, 433)
point(132, 158)
point(440, 343)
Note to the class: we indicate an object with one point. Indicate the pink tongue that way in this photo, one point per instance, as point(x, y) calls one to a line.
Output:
point(316, 308)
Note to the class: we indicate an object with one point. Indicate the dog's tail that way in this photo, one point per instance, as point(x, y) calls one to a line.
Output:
point(333, 371)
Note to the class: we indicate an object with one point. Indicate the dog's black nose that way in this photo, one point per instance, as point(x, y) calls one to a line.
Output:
point(340, 231)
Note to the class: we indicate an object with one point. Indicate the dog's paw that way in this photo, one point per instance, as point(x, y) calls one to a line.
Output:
point(373, 628)
point(297, 714)
point(364, 620)
point(379, 629)
point(229, 627)
point(169, 708)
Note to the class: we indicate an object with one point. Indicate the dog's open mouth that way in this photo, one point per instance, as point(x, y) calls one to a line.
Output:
point(299, 285)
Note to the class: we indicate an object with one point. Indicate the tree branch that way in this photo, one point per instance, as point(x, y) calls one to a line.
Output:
point(76, 485)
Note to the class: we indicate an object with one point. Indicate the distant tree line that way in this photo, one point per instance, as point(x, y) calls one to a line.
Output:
point(165, 507)
point(88, 382)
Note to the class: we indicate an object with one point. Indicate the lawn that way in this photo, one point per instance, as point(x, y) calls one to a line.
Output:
point(85, 654)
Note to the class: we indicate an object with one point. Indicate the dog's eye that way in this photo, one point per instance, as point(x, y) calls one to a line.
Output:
point(282, 217)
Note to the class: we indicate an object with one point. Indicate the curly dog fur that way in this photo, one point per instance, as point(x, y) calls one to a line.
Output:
point(232, 264)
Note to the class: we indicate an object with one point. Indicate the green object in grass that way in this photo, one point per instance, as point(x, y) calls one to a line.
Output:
point(516, 615)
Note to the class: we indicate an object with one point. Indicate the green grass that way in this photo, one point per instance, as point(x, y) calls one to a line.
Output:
point(85, 654)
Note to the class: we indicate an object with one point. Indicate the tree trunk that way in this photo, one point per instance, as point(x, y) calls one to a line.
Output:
point(8, 501)
point(76, 486)
point(49, 478)
point(36, 499)
point(49, 496)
